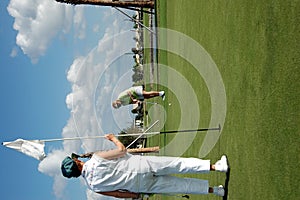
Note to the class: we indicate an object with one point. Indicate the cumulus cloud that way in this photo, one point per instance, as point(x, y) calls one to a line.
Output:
point(80, 23)
point(51, 166)
point(35, 26)
point(38, 22)
point(94, 80)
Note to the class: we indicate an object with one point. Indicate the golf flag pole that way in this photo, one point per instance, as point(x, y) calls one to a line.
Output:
point(35, 148)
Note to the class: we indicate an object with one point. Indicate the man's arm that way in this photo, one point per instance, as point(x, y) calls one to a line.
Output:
point(133, 100)
point(115, 153)
point(120, 194)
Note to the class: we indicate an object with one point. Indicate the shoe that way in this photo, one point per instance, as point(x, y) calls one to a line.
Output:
point(163, 96)
point(222, 164)
point(219, 190)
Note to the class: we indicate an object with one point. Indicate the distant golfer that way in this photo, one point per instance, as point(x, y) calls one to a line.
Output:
point(135, 94)
point(119, 174)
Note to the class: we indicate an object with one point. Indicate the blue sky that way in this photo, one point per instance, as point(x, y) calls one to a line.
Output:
point(59, 68)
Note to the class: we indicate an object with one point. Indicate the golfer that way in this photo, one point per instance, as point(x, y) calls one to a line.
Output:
point(119, 174)
point(135, 94)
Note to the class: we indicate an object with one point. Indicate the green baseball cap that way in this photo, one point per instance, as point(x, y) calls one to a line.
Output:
point(69, 168)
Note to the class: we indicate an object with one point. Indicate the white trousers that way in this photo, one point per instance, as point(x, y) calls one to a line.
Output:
point(160, 181)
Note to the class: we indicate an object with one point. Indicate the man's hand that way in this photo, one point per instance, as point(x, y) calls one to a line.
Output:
point(110, 136)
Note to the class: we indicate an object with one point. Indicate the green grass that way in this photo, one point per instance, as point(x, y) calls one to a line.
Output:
point(255, 45)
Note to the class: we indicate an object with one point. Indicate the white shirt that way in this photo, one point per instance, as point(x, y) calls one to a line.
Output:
point(123, 173)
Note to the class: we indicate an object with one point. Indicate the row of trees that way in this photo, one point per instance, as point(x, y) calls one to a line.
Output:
point(113, 3)
point(138, 75)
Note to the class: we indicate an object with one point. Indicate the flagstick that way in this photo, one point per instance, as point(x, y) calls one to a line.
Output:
point(127, 135)
point(35, 148)
point(102, 136)
point(95, 137)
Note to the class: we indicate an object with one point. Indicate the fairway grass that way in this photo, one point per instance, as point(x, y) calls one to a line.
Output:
point(255, 45)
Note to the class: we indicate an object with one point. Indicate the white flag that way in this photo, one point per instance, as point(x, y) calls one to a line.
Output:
point(33, 148)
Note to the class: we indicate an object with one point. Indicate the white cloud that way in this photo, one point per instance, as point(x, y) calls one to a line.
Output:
point(37, 23)
point(51, 166)
point(80, 22)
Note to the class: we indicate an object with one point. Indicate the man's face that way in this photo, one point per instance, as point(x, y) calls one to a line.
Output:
point(79, 163)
